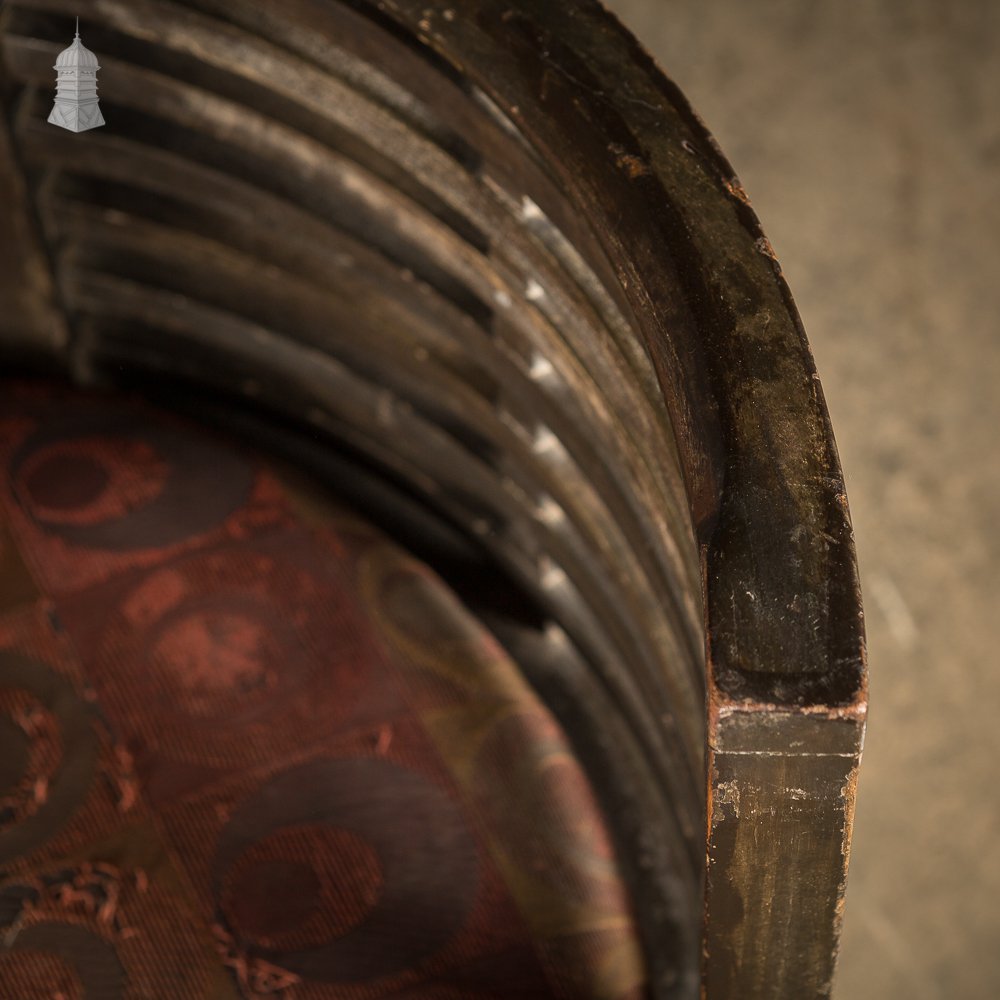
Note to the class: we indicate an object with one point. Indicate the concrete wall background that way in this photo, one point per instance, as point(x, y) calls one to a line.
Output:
point(867, 133)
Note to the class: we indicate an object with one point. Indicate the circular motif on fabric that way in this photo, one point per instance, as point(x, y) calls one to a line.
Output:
point(59, 479)
point(49, 752)
point(90, 481)
point(233, 637)
point(556, 832)
point(421, 607)
point(221, 656)
point(60, 959)
point(302, 886)
point(93, 480)
point(39, 975)
point(401, 855)
point(424, 621)
point(15, 749)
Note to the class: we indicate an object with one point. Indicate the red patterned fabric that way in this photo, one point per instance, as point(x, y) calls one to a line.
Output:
point(249, 748)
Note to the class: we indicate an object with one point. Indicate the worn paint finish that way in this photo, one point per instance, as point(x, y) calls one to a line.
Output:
point(777, 831)
point(490, 247)
point(780, 814)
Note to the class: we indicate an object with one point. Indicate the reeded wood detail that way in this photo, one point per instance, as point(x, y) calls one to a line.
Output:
point(481, 257)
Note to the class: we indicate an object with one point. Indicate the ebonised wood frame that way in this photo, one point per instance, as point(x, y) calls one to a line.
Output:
point(480, 264)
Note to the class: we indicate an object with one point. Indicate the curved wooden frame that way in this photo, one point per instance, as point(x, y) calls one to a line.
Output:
point(491, 248)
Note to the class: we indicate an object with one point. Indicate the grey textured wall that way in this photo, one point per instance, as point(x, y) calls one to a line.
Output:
point(867, 133)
